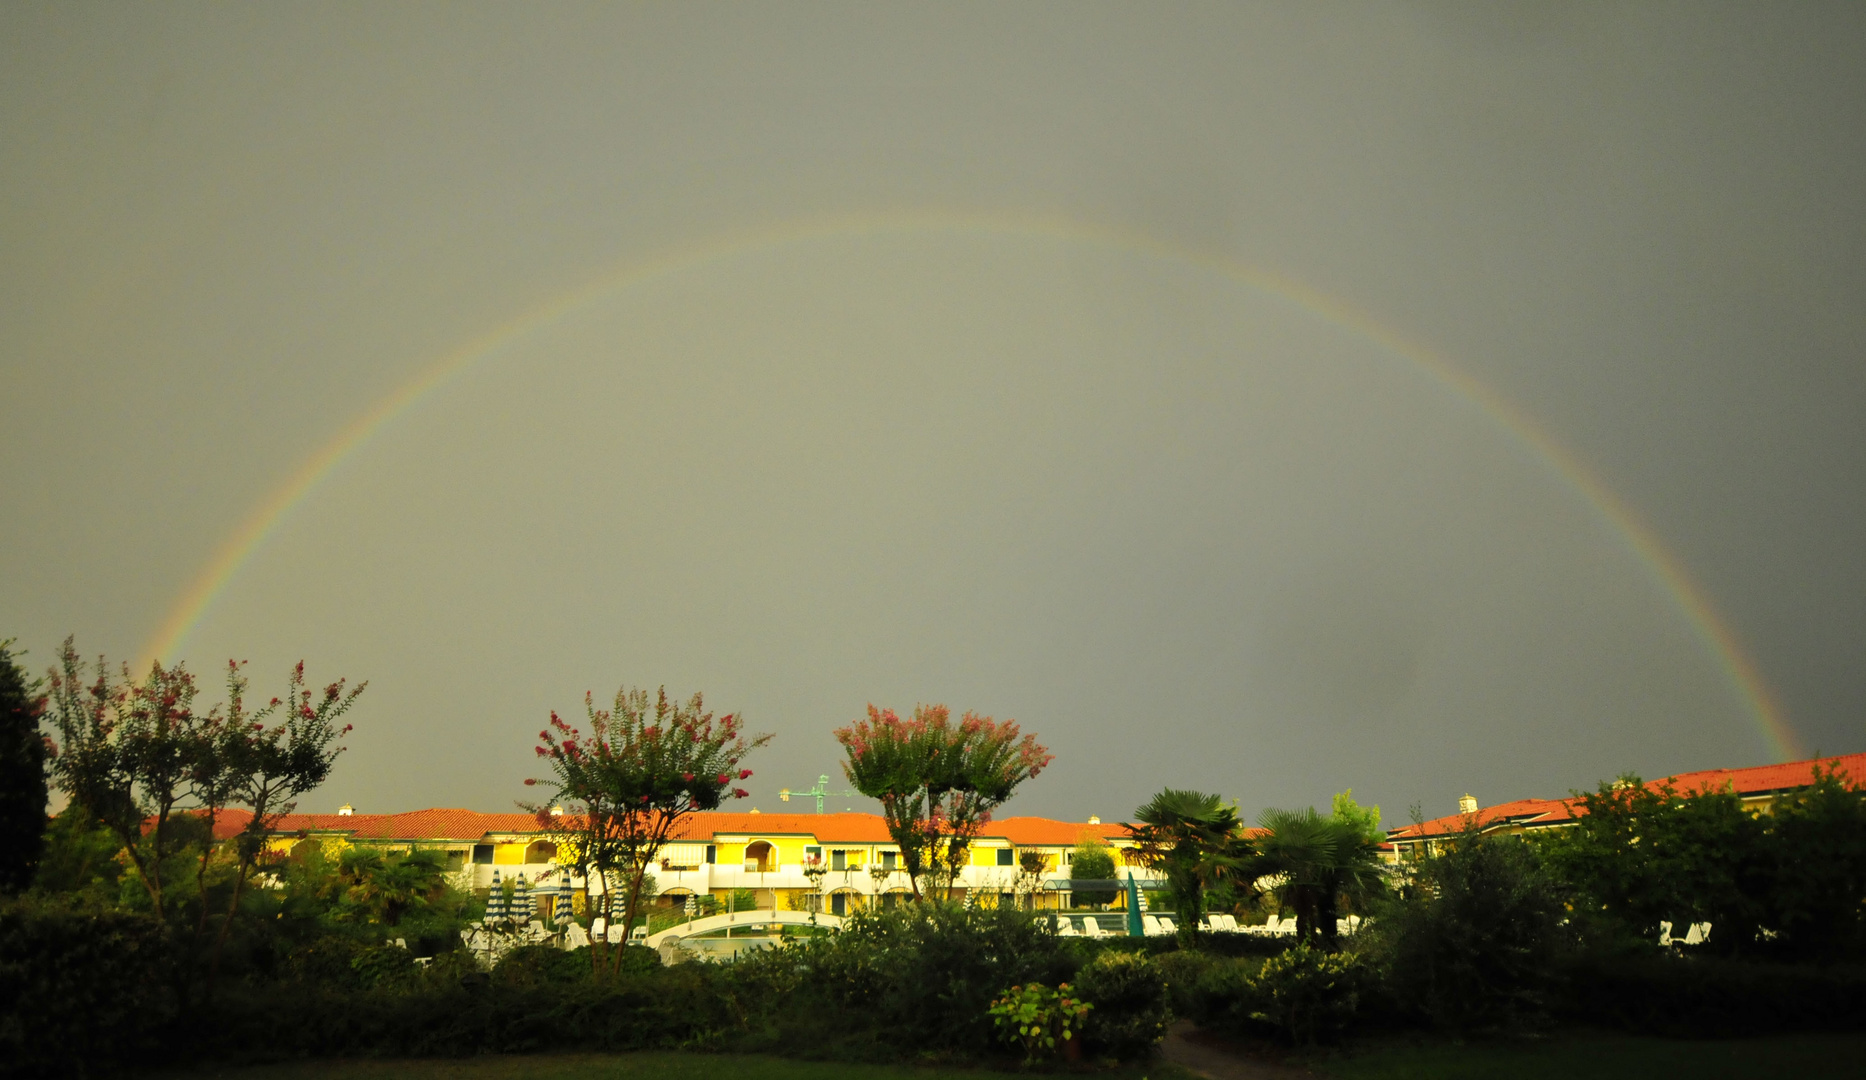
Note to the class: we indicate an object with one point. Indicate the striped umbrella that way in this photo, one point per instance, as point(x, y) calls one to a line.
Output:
point(562, 909)
point(495, 902)
point(521, 901)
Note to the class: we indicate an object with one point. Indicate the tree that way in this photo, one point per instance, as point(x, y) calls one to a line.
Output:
point(937, 783)
point(1318, 861)
point(628, 783)
point(1641, 854)
point(1816, 862)
point(141, 760)
point(1191, 837)
point(1476, 939)
point(132, 754)
point(266, 767)
point(22, 774)
point(1093, 860)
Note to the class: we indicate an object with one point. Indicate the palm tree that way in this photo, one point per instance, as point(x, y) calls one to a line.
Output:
point(1317, 861)
point(1193, 837)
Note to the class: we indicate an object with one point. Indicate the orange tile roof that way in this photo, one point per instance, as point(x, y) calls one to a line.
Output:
point(838, 828)
point(1753, 781)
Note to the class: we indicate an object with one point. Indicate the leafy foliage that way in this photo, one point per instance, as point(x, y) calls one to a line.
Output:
point(83, 990)
point(919, 977)
point(22, 774)
point(1093, 860)
point(1317, 862)
point(1038, 1018)
point(1479, 937)
point(937, 783)
point(630, 781)
point(143, 762)
point(1192, 838)
point(1128, 991)
point(1639, 855)
point(1814, 898)
point(1309, 996)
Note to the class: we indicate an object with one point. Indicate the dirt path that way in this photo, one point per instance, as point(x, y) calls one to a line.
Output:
point(1214, 1057)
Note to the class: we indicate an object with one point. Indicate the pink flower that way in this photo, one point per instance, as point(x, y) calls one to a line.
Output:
point(724, 778)
point(688, 777)
point(745, 774)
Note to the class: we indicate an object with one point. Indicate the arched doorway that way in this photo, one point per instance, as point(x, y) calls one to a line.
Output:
point(759, 857)
point(540, 851)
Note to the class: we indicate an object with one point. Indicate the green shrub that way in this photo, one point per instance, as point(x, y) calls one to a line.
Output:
point(540, 965)
point(1479, 939)
point(1309, 996)
point(83, 991)
point(1708, 996)
point(919, 978)
point(1223, 997)
point(1182, 970)
point(1128, 991)
point(1039, 1019)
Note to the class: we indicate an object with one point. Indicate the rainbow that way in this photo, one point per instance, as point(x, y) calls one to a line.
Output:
point(194, 602)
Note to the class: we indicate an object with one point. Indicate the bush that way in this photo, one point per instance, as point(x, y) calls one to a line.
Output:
point(919, 978)
point(1182, 970)
point(1658, 994)
point(1224, 997)
point(1479, 940)
point(83, 991)
point(543, 965)
point(1309, 996)
point(1128, 991)
point(1039, 1019)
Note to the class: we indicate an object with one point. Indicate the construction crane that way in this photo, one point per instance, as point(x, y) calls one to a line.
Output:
point(819, 791)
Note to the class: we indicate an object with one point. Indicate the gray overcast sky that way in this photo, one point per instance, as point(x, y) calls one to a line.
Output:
point(1189, 531)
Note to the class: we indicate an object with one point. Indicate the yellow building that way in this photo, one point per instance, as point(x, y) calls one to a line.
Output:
point(839, 861)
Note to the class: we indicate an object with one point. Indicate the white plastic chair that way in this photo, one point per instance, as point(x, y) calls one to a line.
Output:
point(1150, 926)
point(1167, 925)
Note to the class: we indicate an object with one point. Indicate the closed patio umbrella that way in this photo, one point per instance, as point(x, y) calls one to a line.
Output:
point(495, 902)
point(521, 901)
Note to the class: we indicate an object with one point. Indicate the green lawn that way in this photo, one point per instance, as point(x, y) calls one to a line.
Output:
point(1610, 1057)
point(659, 1066)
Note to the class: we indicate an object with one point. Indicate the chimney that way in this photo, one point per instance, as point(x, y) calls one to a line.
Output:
point(557, 811)
point(346, 810)
point(1467, 805)
point(1094, 819)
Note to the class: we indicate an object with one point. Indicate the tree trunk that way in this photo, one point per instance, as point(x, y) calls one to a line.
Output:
point(1326, 914)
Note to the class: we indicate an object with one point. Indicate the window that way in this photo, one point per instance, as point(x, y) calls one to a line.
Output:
point(838, 860)
point(711, 853)
point(888, 859)
point(811, 851)
point(1006, 856)
point(456, 858)
point(482, 854)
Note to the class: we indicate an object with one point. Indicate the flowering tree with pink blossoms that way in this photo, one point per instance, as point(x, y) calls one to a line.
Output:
point(626, 784)
point(937, 782)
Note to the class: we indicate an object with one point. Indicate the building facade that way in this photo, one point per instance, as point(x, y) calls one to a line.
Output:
point(836, 862)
